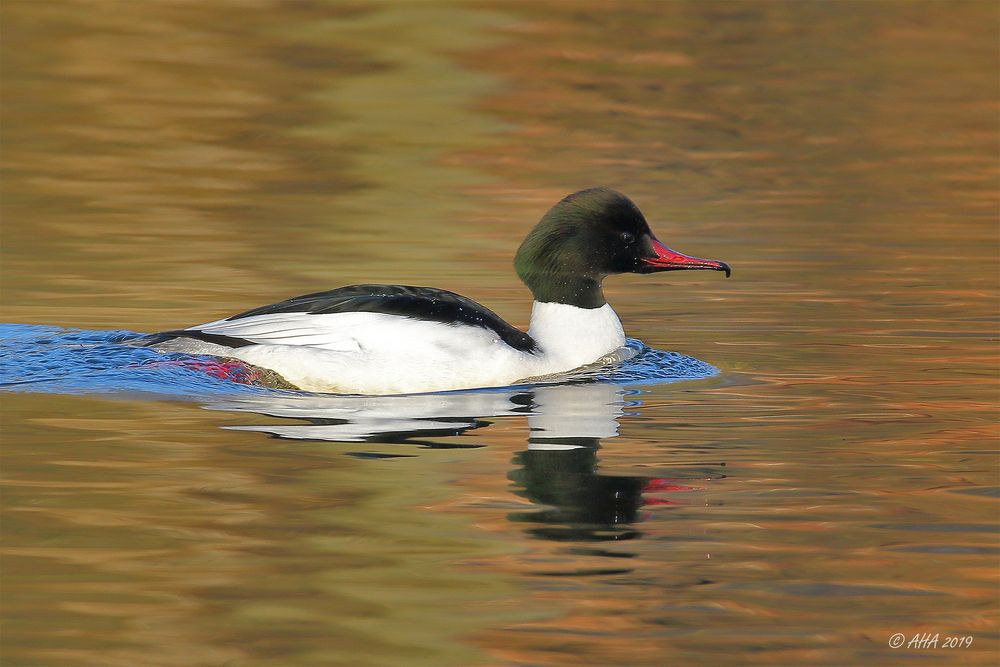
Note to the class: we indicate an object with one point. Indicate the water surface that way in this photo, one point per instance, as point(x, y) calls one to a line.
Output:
point(173, 163)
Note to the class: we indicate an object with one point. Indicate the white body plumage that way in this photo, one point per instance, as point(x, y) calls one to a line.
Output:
point(377, 353)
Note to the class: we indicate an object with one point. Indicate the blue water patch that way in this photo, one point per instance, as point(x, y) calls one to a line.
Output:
point(649, 366)
point(71, 361)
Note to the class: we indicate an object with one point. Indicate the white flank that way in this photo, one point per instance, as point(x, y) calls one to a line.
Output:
point(376, 353)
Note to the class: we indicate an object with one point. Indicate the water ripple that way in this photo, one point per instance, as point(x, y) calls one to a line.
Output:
point(50, 359)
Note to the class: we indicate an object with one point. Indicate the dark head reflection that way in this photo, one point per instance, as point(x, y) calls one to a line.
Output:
point(558, 470)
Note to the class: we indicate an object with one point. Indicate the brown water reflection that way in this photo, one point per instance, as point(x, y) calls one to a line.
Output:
point(167, 163)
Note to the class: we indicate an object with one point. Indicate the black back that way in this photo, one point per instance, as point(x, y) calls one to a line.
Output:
point(422, 303)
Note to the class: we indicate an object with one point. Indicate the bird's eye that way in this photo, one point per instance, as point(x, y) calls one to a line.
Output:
point(627, 238)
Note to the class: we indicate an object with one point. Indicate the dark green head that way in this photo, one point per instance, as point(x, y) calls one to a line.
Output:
point(588, 236)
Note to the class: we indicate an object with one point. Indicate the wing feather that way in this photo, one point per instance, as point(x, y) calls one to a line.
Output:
point(355, 317)
point(337, 332)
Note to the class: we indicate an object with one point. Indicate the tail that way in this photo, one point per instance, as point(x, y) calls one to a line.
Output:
point(152, 340)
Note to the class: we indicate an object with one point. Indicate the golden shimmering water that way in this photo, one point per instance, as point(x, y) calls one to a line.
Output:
point(170, 163)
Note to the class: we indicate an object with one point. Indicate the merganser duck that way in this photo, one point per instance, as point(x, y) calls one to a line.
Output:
point(394, 339)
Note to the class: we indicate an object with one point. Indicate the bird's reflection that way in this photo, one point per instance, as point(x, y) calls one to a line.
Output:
point(559, 468)
point(408, 418)
point(557, 471)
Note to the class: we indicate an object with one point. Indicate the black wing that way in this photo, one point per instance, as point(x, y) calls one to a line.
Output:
point(422, 303)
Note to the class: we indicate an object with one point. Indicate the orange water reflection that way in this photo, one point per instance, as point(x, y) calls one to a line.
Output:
point(168, 163)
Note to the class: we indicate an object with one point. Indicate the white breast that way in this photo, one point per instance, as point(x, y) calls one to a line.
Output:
point(571, 337)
